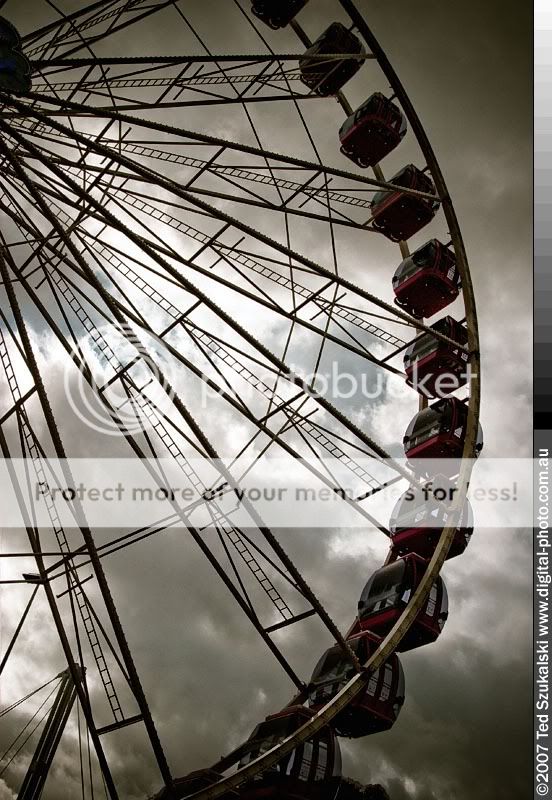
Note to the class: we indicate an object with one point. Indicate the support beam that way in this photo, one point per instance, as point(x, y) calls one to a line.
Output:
point(39, 768)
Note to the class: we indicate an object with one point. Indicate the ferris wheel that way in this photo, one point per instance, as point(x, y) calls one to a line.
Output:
point(200, 214)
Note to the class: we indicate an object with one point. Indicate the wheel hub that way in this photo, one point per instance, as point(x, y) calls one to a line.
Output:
point(15, 67)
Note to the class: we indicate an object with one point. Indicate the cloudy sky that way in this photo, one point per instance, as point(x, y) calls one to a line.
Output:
point(465, 727)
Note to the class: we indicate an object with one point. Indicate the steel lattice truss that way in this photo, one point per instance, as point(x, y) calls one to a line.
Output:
point(169, 245)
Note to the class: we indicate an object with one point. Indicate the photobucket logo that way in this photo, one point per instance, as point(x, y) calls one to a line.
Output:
point(125, 382)
point(439, 384)
point(341, 385)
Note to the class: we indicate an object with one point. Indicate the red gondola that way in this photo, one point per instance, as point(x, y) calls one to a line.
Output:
point(399, 216)
point(194, 782)
point(427, 281)
point(310, 772)
point(438, 432)
point(372, 131)
point(419, 517)
point(433, 367)
point(277, 13)
point(328, 76)
point(373, 710)
point(386, 595)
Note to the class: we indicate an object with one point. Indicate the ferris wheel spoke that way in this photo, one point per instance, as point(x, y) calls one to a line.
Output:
point(252, 616)
point(255, 199)
point(328, 212)
point(86, 61)
point(261, 203)
point(71, 36)
point(282, 202)
point(35, 547)
point(90, 620)
point(237, 538)
point(217, 349)
point(323, 438)
point(272, 435)
point(310, 264)
point(18, 628)
point(131, 104)
point(202, 138)
point(140, 72)
point(252, 174)
point(120, 319)
point(393, 311)
point(124, 269)
point(109, 217)
point(320, 437)
point(138, 200)
point(358, 349)
point(100, 7)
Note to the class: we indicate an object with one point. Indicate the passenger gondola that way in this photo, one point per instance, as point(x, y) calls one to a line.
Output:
point(375, 708)
point(398, 215)
point(386, 595)
point(277, 13)
point(427, 281)
point(439, 432)
point(434, 367)
point(326, 76)
point(312, 771)
point(420, 516)
point(372, 131)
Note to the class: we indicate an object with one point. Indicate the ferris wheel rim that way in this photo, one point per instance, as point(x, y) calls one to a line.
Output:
point(388, 645)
